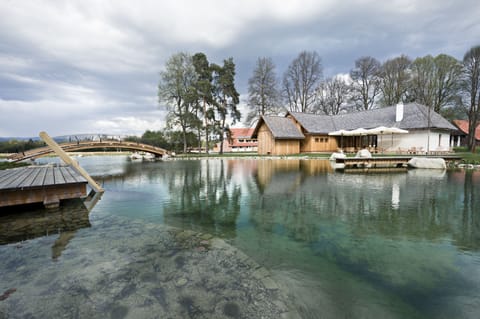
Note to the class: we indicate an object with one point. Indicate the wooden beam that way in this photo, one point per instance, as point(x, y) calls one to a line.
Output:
point(68, 160)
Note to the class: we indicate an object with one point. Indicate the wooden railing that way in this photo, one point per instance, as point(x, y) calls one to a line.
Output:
point(85, 145)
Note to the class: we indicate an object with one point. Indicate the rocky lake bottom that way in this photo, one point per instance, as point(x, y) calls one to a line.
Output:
point(135, 270)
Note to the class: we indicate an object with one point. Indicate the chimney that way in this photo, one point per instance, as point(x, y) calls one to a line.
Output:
point(399, 112)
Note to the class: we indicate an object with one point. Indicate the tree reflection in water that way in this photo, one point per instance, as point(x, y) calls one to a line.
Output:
point(203, 198)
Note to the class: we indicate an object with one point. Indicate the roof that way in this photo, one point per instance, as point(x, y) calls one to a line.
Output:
point(463, 126)
point(314, 123)
point(242, 132)
point(281, 127)
point(415, 116)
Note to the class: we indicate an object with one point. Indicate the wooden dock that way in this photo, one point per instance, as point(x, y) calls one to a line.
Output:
point(40, 184)
point(374, 162)
point(381, 162)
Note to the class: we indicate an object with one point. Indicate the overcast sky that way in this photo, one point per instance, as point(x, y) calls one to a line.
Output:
point(91, 66)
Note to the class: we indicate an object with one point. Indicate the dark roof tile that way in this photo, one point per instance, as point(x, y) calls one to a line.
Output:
point(415, 116)
point(282, 127)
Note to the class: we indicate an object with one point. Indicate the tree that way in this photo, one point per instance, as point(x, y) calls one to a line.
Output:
point(471, 88)
point(300, 81)
point(365, 85)
point(394, 80)
point(204, 91)
point(226, 94)
point(263, 94)
point(435, 81)
point(176, 91)
point(332, 96)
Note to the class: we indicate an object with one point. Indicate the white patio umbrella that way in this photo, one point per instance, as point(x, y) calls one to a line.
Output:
point(383, 130)
point(358, 132)
point(338, 133)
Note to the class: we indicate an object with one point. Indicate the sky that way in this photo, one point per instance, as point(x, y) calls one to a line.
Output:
point(93, 66)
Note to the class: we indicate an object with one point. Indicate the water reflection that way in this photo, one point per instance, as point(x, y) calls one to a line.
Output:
point(204, 197)
point(387, 245)
point(19, 224)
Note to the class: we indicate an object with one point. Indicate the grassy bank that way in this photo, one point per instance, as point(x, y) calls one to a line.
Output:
point(7, 165)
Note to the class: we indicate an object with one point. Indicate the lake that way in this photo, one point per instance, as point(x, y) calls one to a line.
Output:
point(245, 238)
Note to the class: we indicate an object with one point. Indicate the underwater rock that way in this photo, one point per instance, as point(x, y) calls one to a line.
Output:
point(7, 293)
point(181, 282)
point(232, 310)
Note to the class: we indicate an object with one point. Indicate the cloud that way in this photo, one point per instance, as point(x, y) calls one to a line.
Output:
point(94, 63)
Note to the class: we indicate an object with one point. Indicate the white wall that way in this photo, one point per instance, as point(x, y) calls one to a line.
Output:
point(439, 140)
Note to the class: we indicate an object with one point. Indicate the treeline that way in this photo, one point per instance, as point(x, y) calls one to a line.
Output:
point(167, 139)
point(442, 83)
point(201, 97)
point(15, 146)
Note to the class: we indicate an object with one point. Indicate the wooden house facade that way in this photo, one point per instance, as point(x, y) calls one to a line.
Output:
point(428, 131)
point(277, 136)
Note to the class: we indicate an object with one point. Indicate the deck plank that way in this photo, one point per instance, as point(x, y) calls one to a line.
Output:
point(58, 176)
point(14, 179)
point(78, 177)
point(38, 181)
point(49, 178)
point(27, 182)
point(5, 175)
point(67, 175)
point(71, 176)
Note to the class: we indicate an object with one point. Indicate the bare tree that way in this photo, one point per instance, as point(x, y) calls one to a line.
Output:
point(332, 96)
point(394, 80)
point(365, 85)
point(301, 80)
point(176, 91)
point(435, 81)
point(263, 93)
point(471, 87)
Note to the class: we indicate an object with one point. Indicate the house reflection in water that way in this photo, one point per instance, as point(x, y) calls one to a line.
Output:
point(286, 175)
point(36, 222)
point(395, 196)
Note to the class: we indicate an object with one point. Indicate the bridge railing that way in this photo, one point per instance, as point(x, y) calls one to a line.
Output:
point(88, 144)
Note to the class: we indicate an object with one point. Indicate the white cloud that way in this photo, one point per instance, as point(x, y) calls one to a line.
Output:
point(128, 125)
point(80, 65)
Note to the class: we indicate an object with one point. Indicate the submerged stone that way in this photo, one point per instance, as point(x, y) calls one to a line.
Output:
point(118, 312)
point(232, 310)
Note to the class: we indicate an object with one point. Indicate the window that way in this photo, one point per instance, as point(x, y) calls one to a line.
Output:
point(317, 140)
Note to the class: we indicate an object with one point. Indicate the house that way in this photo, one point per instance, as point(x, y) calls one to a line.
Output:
point(239, 140)
point(427, 131)
point(461, 136)
point(277, 135)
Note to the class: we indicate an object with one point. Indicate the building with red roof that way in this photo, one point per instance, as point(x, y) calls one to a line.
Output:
point(462, 126)
point(239, 140)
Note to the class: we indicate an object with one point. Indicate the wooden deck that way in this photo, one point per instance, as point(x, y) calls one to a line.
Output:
point(374, 162)
point(42, 184)
point(384, 162)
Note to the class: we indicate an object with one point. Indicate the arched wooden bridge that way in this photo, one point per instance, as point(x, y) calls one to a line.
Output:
point(85, 145)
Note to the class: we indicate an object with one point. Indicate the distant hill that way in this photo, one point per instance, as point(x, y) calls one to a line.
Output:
point(6, 139)
point(64, 138)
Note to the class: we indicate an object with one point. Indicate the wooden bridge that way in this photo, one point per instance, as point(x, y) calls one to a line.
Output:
point(85, 145)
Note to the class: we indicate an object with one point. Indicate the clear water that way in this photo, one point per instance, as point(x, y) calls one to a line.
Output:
point(386, 245)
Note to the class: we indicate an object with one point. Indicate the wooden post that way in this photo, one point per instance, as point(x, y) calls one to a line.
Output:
point(68, 160)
